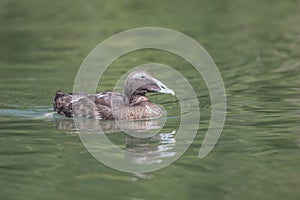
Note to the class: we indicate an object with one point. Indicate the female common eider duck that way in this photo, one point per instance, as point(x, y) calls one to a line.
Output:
point(112, 105)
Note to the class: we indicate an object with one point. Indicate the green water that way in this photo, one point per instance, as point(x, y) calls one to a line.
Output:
point(256, 46)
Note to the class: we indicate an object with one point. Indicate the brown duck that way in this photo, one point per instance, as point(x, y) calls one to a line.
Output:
point(134, 104)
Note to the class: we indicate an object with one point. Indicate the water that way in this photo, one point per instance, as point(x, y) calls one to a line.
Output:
point(256, 47)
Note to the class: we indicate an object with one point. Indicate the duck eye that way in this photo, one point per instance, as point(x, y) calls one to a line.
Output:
point(143, 77)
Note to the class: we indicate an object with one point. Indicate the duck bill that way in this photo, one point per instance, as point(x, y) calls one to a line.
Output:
point(163, 88)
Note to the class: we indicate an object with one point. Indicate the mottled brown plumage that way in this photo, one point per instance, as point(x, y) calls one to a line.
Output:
point(112, 105)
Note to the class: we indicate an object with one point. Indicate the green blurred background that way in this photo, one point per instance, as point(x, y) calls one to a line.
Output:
point(256, 46)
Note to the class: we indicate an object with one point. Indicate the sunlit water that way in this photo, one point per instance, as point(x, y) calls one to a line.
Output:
point(256, 46)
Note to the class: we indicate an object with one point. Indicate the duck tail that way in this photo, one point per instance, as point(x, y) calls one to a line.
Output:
point(58, 94)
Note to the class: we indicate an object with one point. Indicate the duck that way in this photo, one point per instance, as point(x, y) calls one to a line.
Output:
point(132, 105)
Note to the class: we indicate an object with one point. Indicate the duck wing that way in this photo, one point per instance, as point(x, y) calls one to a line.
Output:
point(105, 102)
point(87, 105)
point(108, 99)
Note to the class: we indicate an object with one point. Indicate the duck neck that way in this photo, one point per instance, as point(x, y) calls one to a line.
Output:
point(136, 100)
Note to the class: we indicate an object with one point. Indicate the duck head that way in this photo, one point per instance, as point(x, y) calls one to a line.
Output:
point(139, 82)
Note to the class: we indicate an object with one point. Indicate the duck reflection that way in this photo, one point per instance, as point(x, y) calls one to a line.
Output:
point(145, 142)
point(150, 150)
